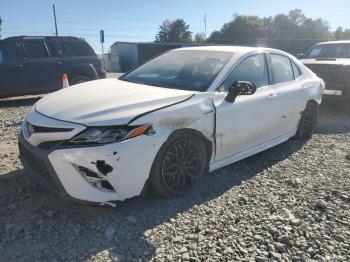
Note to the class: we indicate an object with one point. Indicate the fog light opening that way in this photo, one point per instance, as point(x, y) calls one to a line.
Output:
point(107, 185)
point(95, 179)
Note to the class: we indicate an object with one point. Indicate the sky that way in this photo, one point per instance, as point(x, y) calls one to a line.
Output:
point(139, 20)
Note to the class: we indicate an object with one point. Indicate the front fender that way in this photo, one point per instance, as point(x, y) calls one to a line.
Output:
point(197, 113)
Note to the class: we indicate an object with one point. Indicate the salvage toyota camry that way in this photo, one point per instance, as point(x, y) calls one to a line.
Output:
point(167, 122)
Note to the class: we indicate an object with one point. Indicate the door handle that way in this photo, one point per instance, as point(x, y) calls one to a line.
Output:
point(271, 96)
point(57, 63)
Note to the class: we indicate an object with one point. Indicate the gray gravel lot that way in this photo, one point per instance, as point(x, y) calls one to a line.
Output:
point(289, 203)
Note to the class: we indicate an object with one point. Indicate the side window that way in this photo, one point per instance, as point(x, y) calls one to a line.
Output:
point(296, 70)
point(281, 67)
point(252, 69)
point(8, 52)
point(35, 48)
point(76, 48)
point(51, 48)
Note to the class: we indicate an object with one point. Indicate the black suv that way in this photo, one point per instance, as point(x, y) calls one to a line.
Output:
point(34, 65)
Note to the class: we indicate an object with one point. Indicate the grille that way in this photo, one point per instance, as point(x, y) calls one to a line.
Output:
point(49, 144)
point(38, 165)
point(44, 129)
point(335, 76)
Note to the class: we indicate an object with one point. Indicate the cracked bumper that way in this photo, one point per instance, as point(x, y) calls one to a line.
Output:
point(56, 170)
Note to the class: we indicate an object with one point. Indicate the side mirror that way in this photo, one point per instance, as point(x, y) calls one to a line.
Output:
point(240, 88)
point(300, 56)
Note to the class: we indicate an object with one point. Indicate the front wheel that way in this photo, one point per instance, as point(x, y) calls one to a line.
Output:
point(179, 164)
point(308, 121)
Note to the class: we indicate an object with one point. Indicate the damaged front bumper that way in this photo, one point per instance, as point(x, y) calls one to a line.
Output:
point(112, 172)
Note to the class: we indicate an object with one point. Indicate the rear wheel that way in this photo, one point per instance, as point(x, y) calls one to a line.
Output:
point(308, 121)
point(179, 164)
point(78, 79)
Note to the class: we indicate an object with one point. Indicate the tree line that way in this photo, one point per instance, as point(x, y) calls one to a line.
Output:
point(292, 32)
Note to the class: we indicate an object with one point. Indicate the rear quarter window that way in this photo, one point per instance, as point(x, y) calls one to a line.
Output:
point(76, 48)
point(296, 70)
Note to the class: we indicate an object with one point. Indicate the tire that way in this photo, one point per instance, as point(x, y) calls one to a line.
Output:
point(179, 165)
point(78, 79)
point(308, 122)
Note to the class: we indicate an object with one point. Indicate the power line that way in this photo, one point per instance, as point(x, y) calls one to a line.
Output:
point(121, 18)
point(78, 34)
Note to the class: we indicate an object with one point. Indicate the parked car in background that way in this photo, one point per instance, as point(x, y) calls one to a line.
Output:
point(34, 65)
point(331, 62)
point(165, 123)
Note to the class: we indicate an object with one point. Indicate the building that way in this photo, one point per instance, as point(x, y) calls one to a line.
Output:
point(125, 55)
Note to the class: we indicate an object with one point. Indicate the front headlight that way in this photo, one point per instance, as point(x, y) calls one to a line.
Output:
point(105, 135)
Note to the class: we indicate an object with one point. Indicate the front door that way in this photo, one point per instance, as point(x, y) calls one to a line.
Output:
point(246, 123)
point(13, 80)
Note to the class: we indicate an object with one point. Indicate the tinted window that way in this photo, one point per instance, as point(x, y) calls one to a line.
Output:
point(296, 70)
point(76, 48)
point(181, 69)
point(330, 51)
point(281, 69)
point(51, 48)
point(252, 69)
point(35, 48)
point(7, 52)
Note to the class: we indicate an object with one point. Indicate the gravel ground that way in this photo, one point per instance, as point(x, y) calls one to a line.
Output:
point(289, 203)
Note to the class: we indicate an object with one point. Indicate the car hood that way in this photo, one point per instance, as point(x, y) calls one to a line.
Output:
point(337, 61)
point(107, 102)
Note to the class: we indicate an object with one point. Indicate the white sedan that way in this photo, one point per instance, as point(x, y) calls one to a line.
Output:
point(167, 122)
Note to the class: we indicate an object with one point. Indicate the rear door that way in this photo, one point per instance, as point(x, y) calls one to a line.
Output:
point(43, 65)
point(13, 80)
point(289, 101)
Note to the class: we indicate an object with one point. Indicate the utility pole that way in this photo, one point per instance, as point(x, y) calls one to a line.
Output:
point(54, 16)
point(102, 39)
point(205, 26)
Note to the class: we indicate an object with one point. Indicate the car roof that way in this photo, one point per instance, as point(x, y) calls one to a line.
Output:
point(41, 37)
point(232, 49)
point(220, 48)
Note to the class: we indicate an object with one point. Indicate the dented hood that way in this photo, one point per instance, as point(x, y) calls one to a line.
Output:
point(107, 102)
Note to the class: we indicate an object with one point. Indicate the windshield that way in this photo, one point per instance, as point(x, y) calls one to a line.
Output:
point(330, 51)
point(181, 69)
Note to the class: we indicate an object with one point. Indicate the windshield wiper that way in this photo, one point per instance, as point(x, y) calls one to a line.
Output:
point(135, 82)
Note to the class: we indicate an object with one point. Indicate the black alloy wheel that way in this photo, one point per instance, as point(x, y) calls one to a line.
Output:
point(179, 165)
